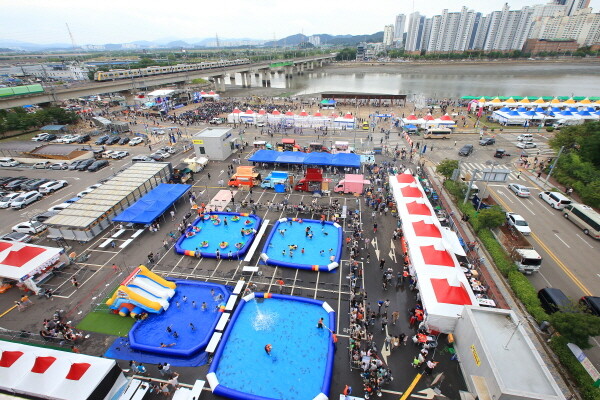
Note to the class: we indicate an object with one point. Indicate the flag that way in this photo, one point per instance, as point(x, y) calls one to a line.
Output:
point(480, 112)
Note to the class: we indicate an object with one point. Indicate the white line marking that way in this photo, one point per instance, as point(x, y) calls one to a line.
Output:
point(584, 241)
point(562, 240)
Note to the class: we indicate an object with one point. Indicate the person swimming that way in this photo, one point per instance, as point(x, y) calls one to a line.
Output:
point(268, 349)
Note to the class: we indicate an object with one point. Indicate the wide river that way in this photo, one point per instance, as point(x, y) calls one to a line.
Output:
point(450, 80)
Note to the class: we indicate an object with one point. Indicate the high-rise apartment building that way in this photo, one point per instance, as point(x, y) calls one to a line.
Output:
point(414, 32)
point(583, 26)
point(572, 6)
point(388, 35)
point(508, 29)
point(451, 31)
point(399, 27)
point(314, 40)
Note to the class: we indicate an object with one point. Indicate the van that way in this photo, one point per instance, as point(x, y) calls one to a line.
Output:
point(525, 137)
point(557, 200)
point(8, 162)
point(553, 300)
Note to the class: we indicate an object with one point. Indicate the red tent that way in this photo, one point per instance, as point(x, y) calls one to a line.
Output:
point(77, 370)
point(429, 117)
point(405, 178)
point(446, 117)
point(203, 92)
point(411, 191)
point(5, 245)
point(289, 113)
point(415, 208)
point(446, 293)
point(236, 111)
point(428, 230)
point(212, 92)
point(348, 116)
point(262, 111)
point(303, 114)
point(412, 117)
point(334, 115)
point(18, 258)
point(9, 358)
point(275, 112)
point(317, 114)
point(42, 364)
point(249, 111)
point(431, 256)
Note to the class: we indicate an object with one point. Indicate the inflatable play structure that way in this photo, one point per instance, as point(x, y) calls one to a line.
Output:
point(142, 291)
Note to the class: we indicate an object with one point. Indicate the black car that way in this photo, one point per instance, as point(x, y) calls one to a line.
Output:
point(50, 137)
point(97, 165)
point(487, 141)
point(15, 184)
point(84, 138)
point(465, 150)
point(5, 179)
point(124, 140)
point(113, 140)
point(6, 182)
point(102, 139)
point(591, 304)
point(34, 185)
point(82, 166)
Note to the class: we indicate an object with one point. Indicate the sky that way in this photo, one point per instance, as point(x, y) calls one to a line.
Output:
point(123, 21)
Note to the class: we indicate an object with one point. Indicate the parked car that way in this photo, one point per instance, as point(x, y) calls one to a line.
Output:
point(35, 185)
point(74, 164)
point(553, 300)
point(113, 140)
point(59, 166)
point(557, 200)
point(52, 186)
point(50, 137)
point(526, 145)
point(525, 137)
point(142, 158)
point(16, 237)
point(119, 154)
point(8, 162)
point(40, 137)
point(108, 153)
point(84, 138)
point(29, 227)
point(25, 183)
point(59, 207)
point(591, 304)
point(158, 131)
point(5, 179)
point(64, 139)
point(518, 222)
point(44, 216)
point(89, 189)
point(15, 184)
point(42, 164)
point(102, 139)
point(135, 141)
point(519, 190)
point(466, 150)
point(168, 149)
point(83, 165)
point(156, 156)
point(7, 200)
point(71, 139)
point(124, 141)
point(98, 165)
point(26, 199)
point(487, 141)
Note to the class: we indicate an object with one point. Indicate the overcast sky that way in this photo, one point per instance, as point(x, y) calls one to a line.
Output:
point(122, 21)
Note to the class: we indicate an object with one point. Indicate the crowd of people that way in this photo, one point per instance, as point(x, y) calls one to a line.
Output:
point(57, 329)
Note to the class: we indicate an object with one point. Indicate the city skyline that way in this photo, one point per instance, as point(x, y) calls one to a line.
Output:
point(151, 20)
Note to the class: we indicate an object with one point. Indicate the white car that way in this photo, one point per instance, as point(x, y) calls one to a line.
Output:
point(16, 237)
point(52, 186)
point(25, 199)
point(526, 145)
point(42, 165)
point(525, 137)
point(135, 141)
point(520, 190)
point(71, 139)
point(518, 222)
point(165, 154)
point(8, 162)
point(119, 154)
point(59, 166)
point(6, 200)
point(29, 227)
point(89, 190)
point(39, 137)
point(108, 153)
point(159, 131)
point(168, 149)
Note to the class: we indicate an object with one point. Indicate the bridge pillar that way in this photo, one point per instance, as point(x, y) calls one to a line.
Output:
point(245, 79)
point(266, 78)
point(232, 79)
point(289, 71)
point(220, 83)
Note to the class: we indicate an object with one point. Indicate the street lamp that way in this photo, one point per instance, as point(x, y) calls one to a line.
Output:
point(487, 180)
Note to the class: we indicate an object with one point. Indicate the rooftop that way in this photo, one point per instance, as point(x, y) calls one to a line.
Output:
point(212, 132)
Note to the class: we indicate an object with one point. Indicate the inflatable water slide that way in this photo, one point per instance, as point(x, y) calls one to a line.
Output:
point(142, 291)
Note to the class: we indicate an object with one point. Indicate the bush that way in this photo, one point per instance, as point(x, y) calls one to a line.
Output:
point(584, 382)
point(490, 218)
point(549, 129)
point(577, 327)
point(446, 168)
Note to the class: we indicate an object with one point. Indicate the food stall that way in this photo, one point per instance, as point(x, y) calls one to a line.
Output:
point(30, 265)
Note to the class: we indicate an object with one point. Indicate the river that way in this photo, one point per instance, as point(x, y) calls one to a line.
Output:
point(448, 80)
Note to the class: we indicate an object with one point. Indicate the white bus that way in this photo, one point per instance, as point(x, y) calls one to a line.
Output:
point(584, 217)
point(437, 133)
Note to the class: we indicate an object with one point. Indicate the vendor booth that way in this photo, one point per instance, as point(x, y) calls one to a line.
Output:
point(28, 264)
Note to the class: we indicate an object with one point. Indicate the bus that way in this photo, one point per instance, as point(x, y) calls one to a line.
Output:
point(584, 217)
point(437, 133)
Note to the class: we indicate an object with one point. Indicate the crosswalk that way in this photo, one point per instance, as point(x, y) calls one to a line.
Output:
point(467, 168)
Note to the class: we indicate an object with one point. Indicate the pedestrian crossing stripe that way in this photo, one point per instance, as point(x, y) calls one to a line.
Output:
point(470, 167)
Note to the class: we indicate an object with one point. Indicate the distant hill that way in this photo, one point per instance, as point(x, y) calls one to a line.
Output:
point(337, 40)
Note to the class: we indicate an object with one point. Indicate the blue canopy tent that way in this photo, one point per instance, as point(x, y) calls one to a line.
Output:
point(296, 157)
point(153, 204)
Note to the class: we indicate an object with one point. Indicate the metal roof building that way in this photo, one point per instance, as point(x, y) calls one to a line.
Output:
point(88, 217)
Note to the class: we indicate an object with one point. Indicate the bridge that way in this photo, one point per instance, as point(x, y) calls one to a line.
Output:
point(218, 75)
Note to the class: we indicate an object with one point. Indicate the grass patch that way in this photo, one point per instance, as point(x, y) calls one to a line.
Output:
point(107, 323)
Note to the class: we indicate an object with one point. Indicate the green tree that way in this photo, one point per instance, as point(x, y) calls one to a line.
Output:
point(577, 327)
point(490, 218)
point(446, 168)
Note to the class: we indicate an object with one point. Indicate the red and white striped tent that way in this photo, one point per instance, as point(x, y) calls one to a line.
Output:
point(52, 374)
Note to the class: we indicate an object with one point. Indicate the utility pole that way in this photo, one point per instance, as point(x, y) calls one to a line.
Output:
point(554, 164)
point(475, 172)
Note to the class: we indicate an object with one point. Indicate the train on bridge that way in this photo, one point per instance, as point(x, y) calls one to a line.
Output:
point(114, 74)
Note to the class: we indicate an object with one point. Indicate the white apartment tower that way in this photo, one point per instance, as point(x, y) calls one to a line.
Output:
point(583, 26)
point(414, 32)
point(388, 35)
point(399, 27)
point(508, 29)
point(451, 32)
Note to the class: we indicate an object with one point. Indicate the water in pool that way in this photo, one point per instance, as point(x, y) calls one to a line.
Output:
point(148, 334)
point(228, 230)
point(317, 250)
point(296, 367)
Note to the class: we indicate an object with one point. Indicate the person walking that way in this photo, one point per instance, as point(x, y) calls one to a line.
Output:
point(384, 322)
point(381, 263)
point(430, 366)
point(74, 282)
point(395, 316)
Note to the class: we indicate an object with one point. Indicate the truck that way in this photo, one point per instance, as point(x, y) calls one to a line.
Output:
point(567, 122)
point(196, 164)
point(316, 147)
point(313, 181)
point(527, 259)
point(275, 178)
point(352, 183)
point(217, 121)
point(342, 147)
point(288, 145)
point(244, 176)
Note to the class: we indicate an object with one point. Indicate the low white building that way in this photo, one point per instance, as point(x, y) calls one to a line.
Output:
point(497, 358)
point(216, 143)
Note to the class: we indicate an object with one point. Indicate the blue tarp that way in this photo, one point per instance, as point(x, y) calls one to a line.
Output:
point(153, 204)
point(296, 157)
